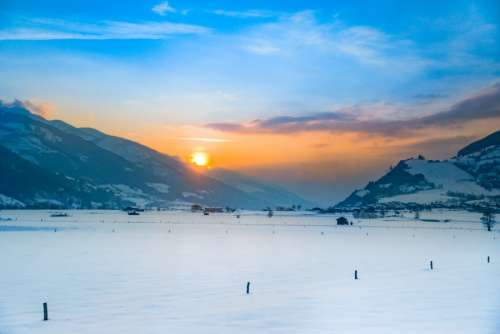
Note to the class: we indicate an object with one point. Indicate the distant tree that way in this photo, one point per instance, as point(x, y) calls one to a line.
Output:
point(421, 157)
point(417, 215)
point(488, 219)
point(270, 213)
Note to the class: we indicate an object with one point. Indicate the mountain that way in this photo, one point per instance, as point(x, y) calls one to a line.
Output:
point(471, 178)
point(481, 159)
point(270, 193)
point(53, 164)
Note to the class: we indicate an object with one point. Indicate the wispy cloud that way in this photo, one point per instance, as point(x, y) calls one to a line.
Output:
point(56, 29)
point(302, 32)
point(484, 105)
point(206, 139)
point(429, 96)
point(163, 8)
point(44, 109)
point(252, 13)
point(261, 48)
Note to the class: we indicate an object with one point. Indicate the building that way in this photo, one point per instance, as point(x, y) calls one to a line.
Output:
point(342, 221)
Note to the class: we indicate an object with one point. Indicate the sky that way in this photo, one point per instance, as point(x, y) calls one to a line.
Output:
point(320, 97)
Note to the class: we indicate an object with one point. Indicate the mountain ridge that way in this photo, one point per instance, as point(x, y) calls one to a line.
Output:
point(88, 163)
point(471, 178)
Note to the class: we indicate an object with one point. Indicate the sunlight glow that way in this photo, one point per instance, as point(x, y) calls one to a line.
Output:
point(200, 159)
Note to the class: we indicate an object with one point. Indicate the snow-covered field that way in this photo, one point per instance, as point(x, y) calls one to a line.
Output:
point(174, 272)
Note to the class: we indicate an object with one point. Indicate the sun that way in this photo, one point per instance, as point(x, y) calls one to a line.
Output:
point(200, 159)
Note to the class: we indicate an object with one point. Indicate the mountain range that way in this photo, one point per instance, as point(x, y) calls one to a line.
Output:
point(469, 179)
point(51, 164)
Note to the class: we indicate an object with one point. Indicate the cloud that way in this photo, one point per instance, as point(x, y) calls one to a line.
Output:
point(437, 147)
point(252, 13)
point(261, 48)
point(163, 8)
point(44, 109)
point(429, 96)
point(302, 32)
point(206, 139)
point(55, 29)
point(484, 105)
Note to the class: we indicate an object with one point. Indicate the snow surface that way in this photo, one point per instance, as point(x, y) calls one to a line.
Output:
point(160, 187)
point(179, 272)
point(446, 175)
point(187, 194)
point(362, 193)
point(127, 193)
point(9, 201)
point(421, 197)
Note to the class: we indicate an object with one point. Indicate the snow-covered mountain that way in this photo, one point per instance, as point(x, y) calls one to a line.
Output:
point(53, 164)
point(255, 188)
point(471, 178)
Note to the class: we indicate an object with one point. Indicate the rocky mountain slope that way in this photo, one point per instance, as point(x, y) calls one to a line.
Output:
point(53, 164)
point(472, 178)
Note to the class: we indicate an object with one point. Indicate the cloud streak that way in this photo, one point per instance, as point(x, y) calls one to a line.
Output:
point(303, 33)
point(55, 29)
point(485, 105)
point(206, 139)
point(44, 109)
point(247, 14)
point(163, 8)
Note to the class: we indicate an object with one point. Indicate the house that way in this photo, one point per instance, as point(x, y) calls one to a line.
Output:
point(342, 221)
point(196, 208)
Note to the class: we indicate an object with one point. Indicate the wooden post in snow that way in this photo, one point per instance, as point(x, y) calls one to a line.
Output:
point(248, 288)
point(45, 312)
point(432, 265)
point(355, 274)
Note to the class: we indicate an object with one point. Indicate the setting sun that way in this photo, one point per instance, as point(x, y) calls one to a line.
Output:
point(200, 159)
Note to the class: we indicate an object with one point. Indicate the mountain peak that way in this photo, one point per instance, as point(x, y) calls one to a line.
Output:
point(89, 169)
point(16, 106)
point(470, 179)
point(490, 140)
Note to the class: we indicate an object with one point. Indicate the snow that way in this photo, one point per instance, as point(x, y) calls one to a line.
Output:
point(42, 200)
point(159, 187)
point(9, 201)
point(446, 176)
point(362, 193)
point(494, 153)
point(187, 194)
point(178, 272)
point(50, 136)
point(127, 193)
point(421, 197)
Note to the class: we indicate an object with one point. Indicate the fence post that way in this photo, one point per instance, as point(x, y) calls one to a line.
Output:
point(45, 312)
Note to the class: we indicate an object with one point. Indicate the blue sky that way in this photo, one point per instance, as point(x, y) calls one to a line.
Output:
point(220, 68)
point(252, 58)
